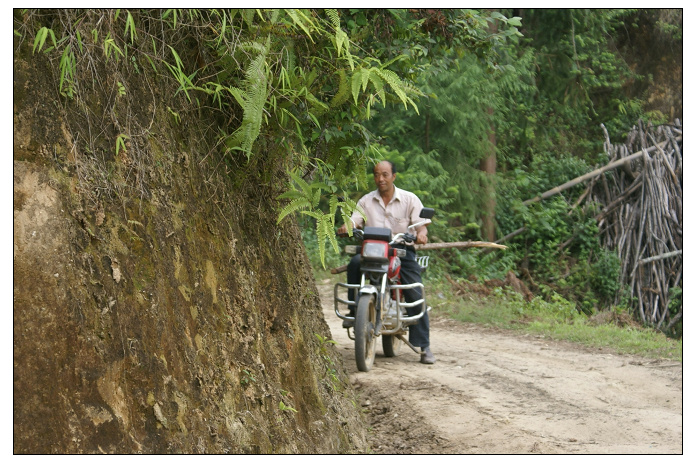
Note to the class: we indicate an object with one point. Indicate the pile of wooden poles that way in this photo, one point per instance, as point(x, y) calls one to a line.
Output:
point(641, 216)
point(639, 194)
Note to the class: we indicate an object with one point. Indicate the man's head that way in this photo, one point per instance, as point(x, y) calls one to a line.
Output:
point(385, 174)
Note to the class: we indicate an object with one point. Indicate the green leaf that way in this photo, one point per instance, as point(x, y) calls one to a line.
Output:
point(355, 85)
point(300, 19)
point(120, 143)
point(40, 38)
point(130, 25)
point(79, 40)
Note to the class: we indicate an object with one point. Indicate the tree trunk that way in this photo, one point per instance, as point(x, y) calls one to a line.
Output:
point(427, 133)
point(488, 166)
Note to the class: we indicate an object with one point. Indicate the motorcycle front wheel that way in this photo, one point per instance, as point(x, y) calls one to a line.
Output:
point(365, 319)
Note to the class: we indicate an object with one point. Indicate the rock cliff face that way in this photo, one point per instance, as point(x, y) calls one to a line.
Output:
point(158, 308)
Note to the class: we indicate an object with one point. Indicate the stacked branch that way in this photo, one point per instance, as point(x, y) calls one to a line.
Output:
point(642, 216)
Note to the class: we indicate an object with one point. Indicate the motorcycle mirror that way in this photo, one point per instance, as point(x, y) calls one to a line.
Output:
point(427, 213)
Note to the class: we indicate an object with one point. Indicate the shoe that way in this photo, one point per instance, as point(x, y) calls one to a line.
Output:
point(427, 356)
point(348, 324)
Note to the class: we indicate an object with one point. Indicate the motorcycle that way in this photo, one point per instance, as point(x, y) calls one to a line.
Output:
point(380, 305)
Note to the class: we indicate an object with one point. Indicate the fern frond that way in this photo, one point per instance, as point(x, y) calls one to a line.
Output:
point(397, 86)
point(304, 186)
point(315, 102)
point(365, 77)
point(290, 194)
point(294, 206)
point(394, 82)
point(252, 101)
point(330, 233)
point(355, 85)
point(333, 17)
point(325, 231)
point(333, 205)
point(314, 214)
point(316, 196)
point(343, 90)
point(379, 87)
point(299, 18)
point(247, 15)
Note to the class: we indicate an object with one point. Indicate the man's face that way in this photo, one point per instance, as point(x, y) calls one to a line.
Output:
point(384, 179)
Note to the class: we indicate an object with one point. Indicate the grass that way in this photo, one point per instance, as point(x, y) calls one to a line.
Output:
point(557, 319)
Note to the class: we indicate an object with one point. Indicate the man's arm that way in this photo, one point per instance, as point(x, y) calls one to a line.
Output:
point(422, 231)
point(422, 235)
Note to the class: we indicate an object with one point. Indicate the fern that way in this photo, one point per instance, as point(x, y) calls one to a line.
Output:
point(294, 206)
point(305, 198)
point(377, 76)
point(397, 86)
point(333, 17)
point(341, 38)
point(325, 230)
point(379, 87)
point(343, 92)
point(252, 100)
point(301, 20)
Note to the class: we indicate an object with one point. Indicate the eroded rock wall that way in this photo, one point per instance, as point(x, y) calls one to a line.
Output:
point(167, 312)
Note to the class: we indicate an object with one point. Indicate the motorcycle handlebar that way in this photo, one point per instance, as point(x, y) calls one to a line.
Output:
point(356, 232)
point(405, 238)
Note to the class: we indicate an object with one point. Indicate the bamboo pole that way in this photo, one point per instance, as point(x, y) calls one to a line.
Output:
point(666, 255)
point(438, 246)
point(458, 245)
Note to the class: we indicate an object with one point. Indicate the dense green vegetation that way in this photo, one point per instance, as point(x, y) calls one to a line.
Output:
point(536, 113)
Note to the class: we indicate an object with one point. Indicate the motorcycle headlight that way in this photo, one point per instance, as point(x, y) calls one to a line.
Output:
point(375, 250)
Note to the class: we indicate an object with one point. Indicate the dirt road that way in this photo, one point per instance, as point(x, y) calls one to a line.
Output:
point(494, 392)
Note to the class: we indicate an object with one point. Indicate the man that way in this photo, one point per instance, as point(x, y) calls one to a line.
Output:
point(394, 208)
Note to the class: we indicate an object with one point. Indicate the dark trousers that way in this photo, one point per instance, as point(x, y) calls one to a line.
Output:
point(418, 334)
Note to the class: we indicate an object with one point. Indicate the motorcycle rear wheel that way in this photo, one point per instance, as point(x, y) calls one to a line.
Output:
point(365, 318)
point(391, 345)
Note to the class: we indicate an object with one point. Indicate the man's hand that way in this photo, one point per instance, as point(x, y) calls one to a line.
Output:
point(342, 230)
point(422, 236)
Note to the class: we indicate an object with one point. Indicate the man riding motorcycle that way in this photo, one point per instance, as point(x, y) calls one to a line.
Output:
point(396, 209)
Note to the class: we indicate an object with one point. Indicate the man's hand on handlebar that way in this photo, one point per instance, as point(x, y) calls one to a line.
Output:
point(422, 236)
point(342, 230)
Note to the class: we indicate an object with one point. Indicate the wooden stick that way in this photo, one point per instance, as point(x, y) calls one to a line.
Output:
point(437, 246)
point(666, 255)
point(340, 269)
point(513, 234)
point(459, 245)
